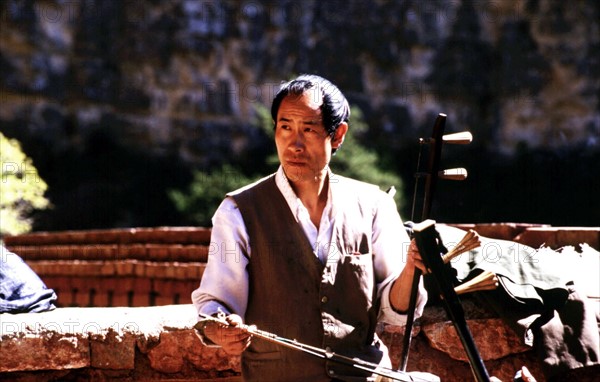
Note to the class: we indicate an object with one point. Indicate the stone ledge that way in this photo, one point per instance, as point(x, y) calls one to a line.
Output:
point(147, 342)
point(75, 331)
point(158, 343)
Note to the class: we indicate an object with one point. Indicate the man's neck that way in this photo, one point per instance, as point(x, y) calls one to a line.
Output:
point(313, 194)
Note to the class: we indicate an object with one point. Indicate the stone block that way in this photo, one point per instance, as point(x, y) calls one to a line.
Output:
point(140, 299)
point(47, 352)
point(493, 338)
point(158, 252)
point(139, 269)
point(166, 299)
point(163, 287)
point(132, 251)
point(125, 268)
point(82, 297)
point(47, 341)
point(207, 358)
point(121, 299)
point(189, 253)
point(166, 356)
point(101, 298)
point(112, 351)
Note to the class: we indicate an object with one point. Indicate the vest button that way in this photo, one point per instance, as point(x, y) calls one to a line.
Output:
point(324, 299)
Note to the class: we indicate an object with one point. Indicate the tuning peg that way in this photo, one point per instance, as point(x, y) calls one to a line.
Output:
point(470, 241)
point(462, 138)
point(484, 281)
point(453, 174)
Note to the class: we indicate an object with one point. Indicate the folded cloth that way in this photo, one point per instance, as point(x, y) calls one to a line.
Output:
point(21, 289)
point(538, 297)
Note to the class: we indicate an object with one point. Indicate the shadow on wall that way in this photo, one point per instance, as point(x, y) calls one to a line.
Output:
point(534, 186)
point(109, 184)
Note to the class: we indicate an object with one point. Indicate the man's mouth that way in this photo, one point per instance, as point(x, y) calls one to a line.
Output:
point(296, 162)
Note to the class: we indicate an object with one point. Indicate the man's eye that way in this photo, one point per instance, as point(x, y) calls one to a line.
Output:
point(311, 130)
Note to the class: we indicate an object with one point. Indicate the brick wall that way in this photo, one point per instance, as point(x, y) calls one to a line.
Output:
point(163, 265)
point(117, 267)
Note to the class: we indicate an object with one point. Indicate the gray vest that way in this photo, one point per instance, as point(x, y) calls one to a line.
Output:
point(294, 295)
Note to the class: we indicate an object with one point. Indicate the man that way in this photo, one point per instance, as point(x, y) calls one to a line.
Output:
point(307, 254)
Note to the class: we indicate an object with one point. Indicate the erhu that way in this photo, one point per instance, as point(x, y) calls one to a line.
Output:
point(470, 241)
point(427, 240)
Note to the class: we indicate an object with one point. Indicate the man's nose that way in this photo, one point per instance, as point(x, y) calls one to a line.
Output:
point(298, 141)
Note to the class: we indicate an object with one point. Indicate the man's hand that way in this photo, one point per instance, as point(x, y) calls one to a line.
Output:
point(414, 259)
point(401, 288)
point(231, 338)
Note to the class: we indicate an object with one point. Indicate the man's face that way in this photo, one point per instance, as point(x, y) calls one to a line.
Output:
point(303, 145)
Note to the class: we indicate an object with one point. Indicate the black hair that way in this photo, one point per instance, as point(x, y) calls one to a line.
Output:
point(335, 108)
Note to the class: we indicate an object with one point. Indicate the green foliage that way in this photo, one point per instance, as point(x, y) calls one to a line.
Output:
point(206, 191)
point(22, 189)
point(355, 160)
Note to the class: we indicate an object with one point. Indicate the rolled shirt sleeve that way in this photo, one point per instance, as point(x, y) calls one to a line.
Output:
point(390, 246)
point(224, 284)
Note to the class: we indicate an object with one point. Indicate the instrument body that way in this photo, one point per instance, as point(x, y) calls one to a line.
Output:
point(427, 240)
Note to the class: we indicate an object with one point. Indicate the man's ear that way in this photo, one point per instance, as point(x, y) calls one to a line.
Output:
point(339, 135)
